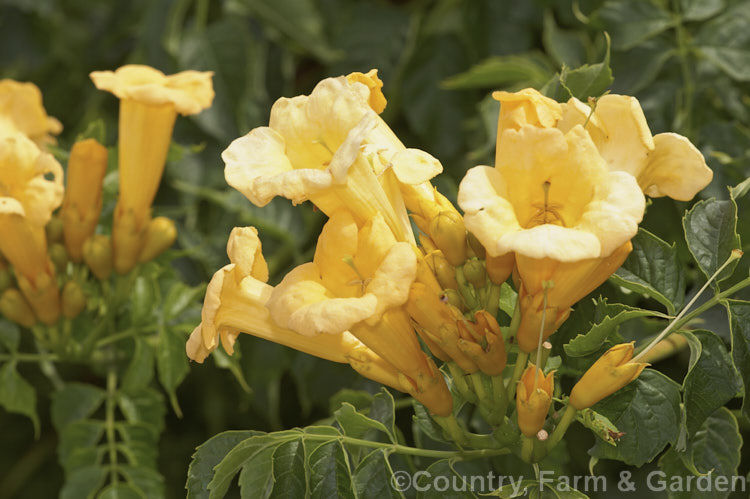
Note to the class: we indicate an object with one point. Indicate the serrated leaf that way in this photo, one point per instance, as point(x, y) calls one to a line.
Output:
point(711, 235)
point(725, 41)
point(739, 324)
point(647, 411)
point(79, 436)
point(589, 343)
point(698, 10)
point(382, 410)
point(633, 22)
point(9, 335)
point(739, 190)
point(143, 406)
point(374, 479)
point(73, 402)
point(360, 399)
point(147, 481)
point(119, 490)
point(711, 382)
point(426, 424)
point(589, 80)
point(715, 449)
point(429, 484)
point(140, 371)
point(329, 472)
point(17, 395)
point(207, 456)
point(289, 473)
point(355, 424)
point(653, 269)
point(256, 477)
point(83, 482)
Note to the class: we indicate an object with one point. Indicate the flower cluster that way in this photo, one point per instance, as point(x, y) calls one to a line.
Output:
point(38, 245)
point(556, 213)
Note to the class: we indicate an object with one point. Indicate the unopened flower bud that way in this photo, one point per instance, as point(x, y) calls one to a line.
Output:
point(448, 231)
point(59, 257)
point(73, 300)
point(475, 246)
point(97, 253)
point(15, 307)
point(453, 297)
point(54, 230)
point(161, 234)
point(499, 268)
point(475, 273)
point(444, 271)
point(533, 398)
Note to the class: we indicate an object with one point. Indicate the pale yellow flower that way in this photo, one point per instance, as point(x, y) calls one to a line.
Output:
point(333, 149)
point(526, 107)
point(149, 104)
point(21, 110)
point(359, 281)
point(666, 164)
point(83, 197)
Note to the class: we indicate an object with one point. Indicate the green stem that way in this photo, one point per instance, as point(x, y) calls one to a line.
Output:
point(466, 290)
point(499, 395)
point(493, 300)
point(713, 301)
point(515, 322)
point(527, 448)
point(460, 382)
point(568, 417)
point(110, 423)
point(521, 362)
point(124, 335)
point(29, 357)
point(452, 429)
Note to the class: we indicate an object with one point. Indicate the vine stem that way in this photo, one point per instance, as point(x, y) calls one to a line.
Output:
point(413, 451)
point(110, 423)
point(29, 357)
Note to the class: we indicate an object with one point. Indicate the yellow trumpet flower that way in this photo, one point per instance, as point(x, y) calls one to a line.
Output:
point(149, 104)
point(83, 197)
point(21, 110)
point(612, 371)
point(333, 149)
point(533, 398)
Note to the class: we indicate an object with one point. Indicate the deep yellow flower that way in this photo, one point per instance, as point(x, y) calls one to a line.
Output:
point(21, 110)
point(666, 164)
point(83, 197)
point(533, 398)
point(333, 149)
point(149, 104)
point(612, 371)
point(526, 107)
point(359, 281)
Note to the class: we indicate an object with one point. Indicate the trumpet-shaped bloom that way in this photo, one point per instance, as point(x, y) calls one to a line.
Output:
point(526, 107)
point(359, 281)
point(149, 104)
point(333, 149)
point(83, 198)
point(612, 371)
point(21, 110)
point(664, 165)
point(533, 398)
point(551, 195)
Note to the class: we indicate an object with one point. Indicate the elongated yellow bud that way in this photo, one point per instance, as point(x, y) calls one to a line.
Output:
point(97, 253)
point(160, 236)
point(54, 230)
point(444, 271)
point(533, 398)
point(59, 257)
point(15, 307)
point(83, 195)
point(448, 232)
point(73, 300)
point(612, 371)
point(475, 273)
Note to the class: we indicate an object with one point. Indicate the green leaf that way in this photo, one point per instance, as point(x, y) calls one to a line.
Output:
point(739, 324)
point(698, 10)
point(73, 402)
point(711, 382)
point(289, 473)
point(638, 67)
point(119, 490)
point(207, 456)
point(17, 395)
point(329, 472)
point(145, 480)
point(355, 424)
point(711, 234)
point(567, 47)
point(180, 297)
point(256, 477)
point(142, 300)
point(425, 423)
point(725, 41)
point(374, 479)
point(143, 406)
point(633, 22)
point(714, 451)
point(589, 343)
point(652, 269)
point(140, 372)
point(360, 399)
point(601, 426)
point(382, 410)
point(83, 482)
point(430, 484)
point(498, 71)
point(590, 80)
point(647, 411)
point(739, 190)
point(171, 363)
point(77, 445)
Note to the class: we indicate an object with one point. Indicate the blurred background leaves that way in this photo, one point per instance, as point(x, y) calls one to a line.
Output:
point(687, 61)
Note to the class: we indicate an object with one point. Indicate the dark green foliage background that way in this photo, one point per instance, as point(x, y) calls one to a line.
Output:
point(688, 62)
